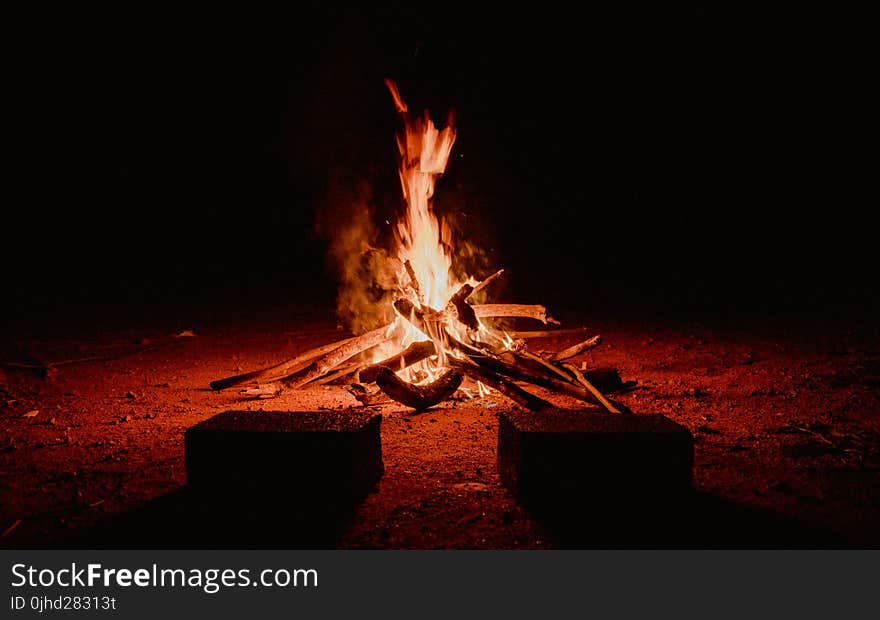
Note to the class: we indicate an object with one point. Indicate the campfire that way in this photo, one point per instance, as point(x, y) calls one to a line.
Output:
point(438, 339)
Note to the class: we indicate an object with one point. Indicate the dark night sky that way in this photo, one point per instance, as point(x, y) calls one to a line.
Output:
point(676, 158)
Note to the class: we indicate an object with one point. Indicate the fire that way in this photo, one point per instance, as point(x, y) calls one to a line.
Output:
point(424, 334)
point(424, 240)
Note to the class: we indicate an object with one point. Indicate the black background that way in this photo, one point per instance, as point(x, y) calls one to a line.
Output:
point(667, 160)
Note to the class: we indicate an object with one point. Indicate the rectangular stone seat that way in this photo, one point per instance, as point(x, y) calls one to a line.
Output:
point(588, 459)
point(286, 457)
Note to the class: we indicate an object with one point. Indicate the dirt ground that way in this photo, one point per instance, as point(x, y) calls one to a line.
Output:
point(785, 417)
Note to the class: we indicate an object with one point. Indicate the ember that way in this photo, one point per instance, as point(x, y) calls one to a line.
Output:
point(439, 336)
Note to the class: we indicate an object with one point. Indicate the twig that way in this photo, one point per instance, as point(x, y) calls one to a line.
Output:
point(540, 360)
point(479, 287)
point(577, 349)
point(592, 389)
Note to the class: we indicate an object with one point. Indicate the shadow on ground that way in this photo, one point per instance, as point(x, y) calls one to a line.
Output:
point(185, 519)
point(693, 520)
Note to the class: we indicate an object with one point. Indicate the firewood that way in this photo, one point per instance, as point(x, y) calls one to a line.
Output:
point(514, 369)
point(262, 391)
point(504, 386)
point(548, 333)
point(539, 313)
point(464, 311)
point(278, 371)
point(609, 407)
point(547, 365)
point(577, 349)
point(413, 280)
point(517, 370)
point(414, 353)
point(479, 287)
point(342, 371)
point(367, 397)
point(331, 360)
point(407, 310)
point(419, 397)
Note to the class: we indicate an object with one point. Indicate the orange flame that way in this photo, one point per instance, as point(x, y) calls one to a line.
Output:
point(424, 239)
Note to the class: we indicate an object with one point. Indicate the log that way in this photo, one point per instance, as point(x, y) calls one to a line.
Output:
point(548, 333)
point(419, 397)
point(408, 311)
point(494, 365)
point(414, 353)
point(342, 371)
point(539, 313)
point(328, 362)
point(577, 349)
point(516, 370)
point(278, 371)
point(504, 386)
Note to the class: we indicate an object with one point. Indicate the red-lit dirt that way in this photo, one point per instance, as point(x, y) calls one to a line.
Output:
point(785, 418)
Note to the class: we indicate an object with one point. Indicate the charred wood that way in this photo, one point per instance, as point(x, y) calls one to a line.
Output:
point(418, 397)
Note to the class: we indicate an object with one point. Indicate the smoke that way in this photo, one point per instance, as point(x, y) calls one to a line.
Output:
point(366, 271)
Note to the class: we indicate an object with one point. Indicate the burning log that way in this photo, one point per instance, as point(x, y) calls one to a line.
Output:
point(539, 313)
point(413, 280)
point(419, 397)
point(577, 349)
point(464, 311)
point(414, 353)
point(514, 369)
